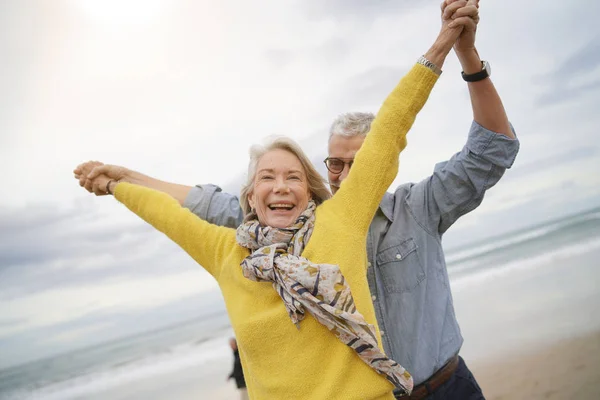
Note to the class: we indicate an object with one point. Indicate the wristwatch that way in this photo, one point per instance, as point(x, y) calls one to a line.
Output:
point(423, 61)
point(486, 71)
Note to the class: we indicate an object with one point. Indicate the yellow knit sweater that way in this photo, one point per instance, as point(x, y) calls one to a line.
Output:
point(279, 360)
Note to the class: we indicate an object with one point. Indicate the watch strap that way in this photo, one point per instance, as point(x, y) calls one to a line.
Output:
point(477, 76)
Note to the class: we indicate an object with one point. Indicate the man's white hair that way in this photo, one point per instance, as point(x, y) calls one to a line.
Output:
point(352, 124)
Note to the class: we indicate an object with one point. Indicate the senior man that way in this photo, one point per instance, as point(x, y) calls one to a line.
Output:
point(407, 275)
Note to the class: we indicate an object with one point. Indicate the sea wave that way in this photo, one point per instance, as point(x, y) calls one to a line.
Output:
point(179, 358)
point(491, 245)
point(461, 281)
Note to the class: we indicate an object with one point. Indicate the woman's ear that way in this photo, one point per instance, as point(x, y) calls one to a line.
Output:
point(251, 201)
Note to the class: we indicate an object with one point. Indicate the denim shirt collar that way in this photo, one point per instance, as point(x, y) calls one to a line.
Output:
point(387, 206)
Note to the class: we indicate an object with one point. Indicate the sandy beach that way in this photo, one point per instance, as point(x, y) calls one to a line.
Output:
point(569, 369)
point(533, 331)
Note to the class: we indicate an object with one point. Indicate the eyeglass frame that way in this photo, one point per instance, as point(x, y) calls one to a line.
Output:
point(345, 161)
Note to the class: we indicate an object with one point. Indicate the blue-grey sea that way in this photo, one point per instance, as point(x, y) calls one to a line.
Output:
point(84, 373)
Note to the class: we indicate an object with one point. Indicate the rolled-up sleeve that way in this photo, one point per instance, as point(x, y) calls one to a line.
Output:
point(457, 186)
point(211, 204)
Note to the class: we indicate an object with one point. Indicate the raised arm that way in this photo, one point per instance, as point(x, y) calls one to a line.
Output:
point(206, 201)
point(207, 244)
point(87, 173)
point(488, 110)
point(376, 163)
point(457, 186)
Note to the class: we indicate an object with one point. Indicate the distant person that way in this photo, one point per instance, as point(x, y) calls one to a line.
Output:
point(238, 373)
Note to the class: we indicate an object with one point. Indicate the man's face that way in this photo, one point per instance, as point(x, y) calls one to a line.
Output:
point(344, 148)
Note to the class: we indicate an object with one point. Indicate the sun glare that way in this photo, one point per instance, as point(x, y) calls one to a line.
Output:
point(121, 11)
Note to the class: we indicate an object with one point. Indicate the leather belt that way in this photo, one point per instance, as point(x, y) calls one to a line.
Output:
point(435, 381)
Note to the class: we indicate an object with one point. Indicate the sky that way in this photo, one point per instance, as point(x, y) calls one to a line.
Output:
point(179, 90)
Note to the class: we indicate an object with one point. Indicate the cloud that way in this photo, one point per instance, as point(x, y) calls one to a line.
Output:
point(556, 160)
point(357, 9)
point(368, 88)
point(65, 303)
point(575, 77)
point(581, 61)
point(566, 94)
point(334, 51)
point(77, 247)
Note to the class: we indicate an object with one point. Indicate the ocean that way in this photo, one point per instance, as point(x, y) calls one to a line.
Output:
point(84, 373)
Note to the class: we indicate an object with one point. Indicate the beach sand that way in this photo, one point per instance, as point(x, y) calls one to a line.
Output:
point(196, 382)
point(532, 331)
point(569, 369)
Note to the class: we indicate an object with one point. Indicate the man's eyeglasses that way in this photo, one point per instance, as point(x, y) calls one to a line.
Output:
point(336, 165)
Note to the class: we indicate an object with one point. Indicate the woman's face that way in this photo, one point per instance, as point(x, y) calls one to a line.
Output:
point(280, 192)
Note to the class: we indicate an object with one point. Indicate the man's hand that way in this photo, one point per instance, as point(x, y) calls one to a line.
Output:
point(111, 171)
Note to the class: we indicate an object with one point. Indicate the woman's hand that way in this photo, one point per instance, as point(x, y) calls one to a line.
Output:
point(94, 175)
point(99, 185)
point(81, 172)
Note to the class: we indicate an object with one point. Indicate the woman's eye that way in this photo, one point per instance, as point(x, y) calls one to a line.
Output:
point(266, 177)
point(296, 178)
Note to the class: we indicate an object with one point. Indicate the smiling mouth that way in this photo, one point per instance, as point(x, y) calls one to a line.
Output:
point(281, 206)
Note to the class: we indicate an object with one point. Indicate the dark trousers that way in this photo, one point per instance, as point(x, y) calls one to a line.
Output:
point(460, 386)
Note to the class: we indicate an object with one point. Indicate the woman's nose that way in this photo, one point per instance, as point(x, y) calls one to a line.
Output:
point(280, 186)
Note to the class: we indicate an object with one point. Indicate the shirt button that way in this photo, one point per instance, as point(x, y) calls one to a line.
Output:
point(373, 298)
point(368, 264)
point(399, 256)
point(382, 333)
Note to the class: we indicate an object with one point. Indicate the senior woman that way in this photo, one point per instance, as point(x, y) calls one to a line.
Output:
point(293, 275)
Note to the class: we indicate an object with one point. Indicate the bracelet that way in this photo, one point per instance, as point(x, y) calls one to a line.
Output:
point(107, 190)
point(423, 61)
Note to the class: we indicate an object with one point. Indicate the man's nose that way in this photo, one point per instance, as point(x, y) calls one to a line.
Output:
point(345, 172)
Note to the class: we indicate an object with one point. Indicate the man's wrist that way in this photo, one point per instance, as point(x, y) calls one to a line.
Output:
point(469, 61)
point(132, 177)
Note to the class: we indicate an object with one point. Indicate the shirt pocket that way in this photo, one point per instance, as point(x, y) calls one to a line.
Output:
point(400, 267)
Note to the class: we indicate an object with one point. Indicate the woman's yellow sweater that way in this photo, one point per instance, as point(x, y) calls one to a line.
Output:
point(279, 360)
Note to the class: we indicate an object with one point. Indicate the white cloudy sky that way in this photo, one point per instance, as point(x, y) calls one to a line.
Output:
point(180, 89)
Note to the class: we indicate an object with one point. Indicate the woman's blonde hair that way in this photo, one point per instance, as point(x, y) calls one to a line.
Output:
point(316, 184)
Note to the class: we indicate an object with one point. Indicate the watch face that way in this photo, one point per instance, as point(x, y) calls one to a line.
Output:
point(487, 67)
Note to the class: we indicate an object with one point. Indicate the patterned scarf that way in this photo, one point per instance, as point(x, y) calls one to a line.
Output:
point(318, 288)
